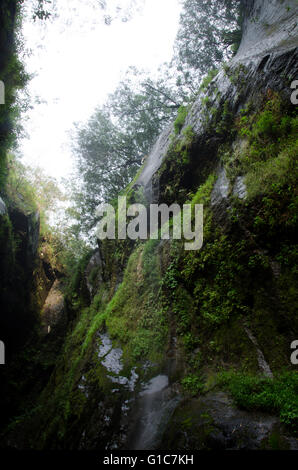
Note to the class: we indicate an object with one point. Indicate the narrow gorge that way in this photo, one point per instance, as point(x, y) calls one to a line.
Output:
point(152, 347)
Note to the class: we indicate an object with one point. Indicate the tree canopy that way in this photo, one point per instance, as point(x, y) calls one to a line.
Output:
point(209, 32)
point(110, 147)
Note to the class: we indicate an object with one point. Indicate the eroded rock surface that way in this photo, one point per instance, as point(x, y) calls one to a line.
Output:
point(53, 308)
point(212, 422)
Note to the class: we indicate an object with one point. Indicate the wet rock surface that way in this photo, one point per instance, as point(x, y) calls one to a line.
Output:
point(267, 56)
point(27, 227)
point(151, 413)
point(263, 364)
point(116, 406)
point(154, 162)
point(53, 308)
point(219, 196)
point(94, 272)
point(135, 413)
point(212, 422)
point(270, 26)
point(3, 208)
point(239, 188)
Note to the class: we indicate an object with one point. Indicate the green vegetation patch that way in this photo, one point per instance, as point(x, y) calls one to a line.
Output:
point(135, 316)
point(268, 151)
point(278, 395)
point(193, 384)
point(179, 122)
point(208, 79)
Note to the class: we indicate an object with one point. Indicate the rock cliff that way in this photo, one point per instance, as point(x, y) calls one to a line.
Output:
point(175, 349)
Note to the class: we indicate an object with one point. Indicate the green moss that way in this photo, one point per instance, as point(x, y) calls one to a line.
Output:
point(276, 441)
point(271, 144)
point(205, 297)
point(189, 427)
point(76, 292)
point(237, 75)
point(223, 120)
point(135, 317)
point(269, 176)
point(203, 194)
point(184, 145)
point(179, 122)
point(208, 79)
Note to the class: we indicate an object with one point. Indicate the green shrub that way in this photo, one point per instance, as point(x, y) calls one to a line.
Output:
point(14, 76)
point(179, 122)
point(208, 79)
point(263, 176)
point(192, 384)
point(203, 193)
point(278, 395)
point(266, 124)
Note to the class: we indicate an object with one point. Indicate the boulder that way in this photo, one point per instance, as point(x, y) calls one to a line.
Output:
point(94, 272)
point(53, 308)
point(212, 422)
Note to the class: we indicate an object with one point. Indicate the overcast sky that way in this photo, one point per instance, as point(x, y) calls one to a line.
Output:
point(78, 60)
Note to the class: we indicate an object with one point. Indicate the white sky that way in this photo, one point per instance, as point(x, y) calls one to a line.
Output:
point(79, 63)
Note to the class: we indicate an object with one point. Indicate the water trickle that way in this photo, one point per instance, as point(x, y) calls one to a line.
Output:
point(239, 189)
point(112, 361)
point(157, 384)
point(106, 345)
point(149, 412)
point(154, 161)
point(133, 379)
point(221, 187)
point(263, 364)
point(82, 386)
point(153, 410)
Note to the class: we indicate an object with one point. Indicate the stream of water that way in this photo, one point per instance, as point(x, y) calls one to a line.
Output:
point(152, 411)
point(148, 411)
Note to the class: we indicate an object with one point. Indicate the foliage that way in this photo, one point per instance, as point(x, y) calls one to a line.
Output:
point(143, 105)
point(41, 10)
point(207, 32)
point(225, 296)
point(123, 10)
point(134, 316)
point(109, 149)
point(30, 189)
point(206, 296)
point(278, 395)
point(14, 78)
point(109, 11)
point(208, 78)
point(203, 194)
point(192, 384)
point(179, 121)
point(268, 157)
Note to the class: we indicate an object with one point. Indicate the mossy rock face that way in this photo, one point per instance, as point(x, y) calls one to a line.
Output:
point(211, 422)
point(7, 254)
point(19, 234)
point(148, 295)
point(26, 231)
